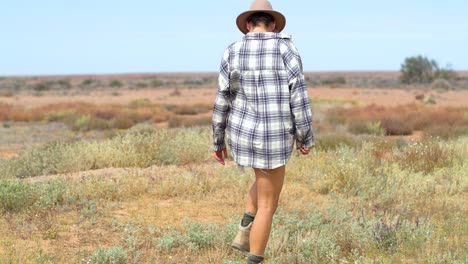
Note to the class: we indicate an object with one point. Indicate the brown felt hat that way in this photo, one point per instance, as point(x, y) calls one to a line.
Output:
point(261, 6)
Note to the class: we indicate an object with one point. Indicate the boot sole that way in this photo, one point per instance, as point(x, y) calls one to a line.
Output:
point(240, 247)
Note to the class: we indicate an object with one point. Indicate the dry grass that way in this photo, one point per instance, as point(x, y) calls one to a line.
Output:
point(82, 116)
point(403, 120)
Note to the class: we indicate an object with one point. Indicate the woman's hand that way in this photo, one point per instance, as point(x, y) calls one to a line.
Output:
point(305, 151)
point(220, 155)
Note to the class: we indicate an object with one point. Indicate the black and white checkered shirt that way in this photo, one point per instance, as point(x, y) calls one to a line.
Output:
point(262, 101)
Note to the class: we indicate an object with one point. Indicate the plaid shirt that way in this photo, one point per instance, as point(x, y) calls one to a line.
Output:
point(262, 101)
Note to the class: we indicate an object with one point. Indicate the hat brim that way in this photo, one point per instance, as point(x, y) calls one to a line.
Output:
point(280, 20)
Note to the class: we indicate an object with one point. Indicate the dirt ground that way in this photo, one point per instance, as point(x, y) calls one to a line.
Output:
point(383, 97)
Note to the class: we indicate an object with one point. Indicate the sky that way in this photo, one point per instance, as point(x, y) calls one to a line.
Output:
point(51, 37)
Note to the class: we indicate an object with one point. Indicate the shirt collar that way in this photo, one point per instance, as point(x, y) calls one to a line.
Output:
point(265, 35)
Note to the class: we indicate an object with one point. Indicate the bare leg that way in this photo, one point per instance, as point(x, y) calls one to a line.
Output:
point(269, 184)
point(251, 204)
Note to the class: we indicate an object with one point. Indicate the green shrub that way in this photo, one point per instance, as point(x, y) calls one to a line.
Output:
point(441, 85)
point(193, 81)
point(140, 102)
point(420, 69)
point(82, 123)
point(157, 83)
point(332, 141)
point(116, 84)
point(431, 100)
point(114, 255)
point(169, 242)
point(43, 86)
point(91, 83)
point(371, 128)
point(16, 196)
point(190, 109)
point(182, 121)
point(337, 80)
point(141, 85)
point(198, 236)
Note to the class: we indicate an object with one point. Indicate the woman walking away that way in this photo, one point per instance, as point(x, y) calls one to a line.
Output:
point(262, 103)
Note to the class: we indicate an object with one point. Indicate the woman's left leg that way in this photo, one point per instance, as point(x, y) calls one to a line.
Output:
point(242, 239)
point(251, 204)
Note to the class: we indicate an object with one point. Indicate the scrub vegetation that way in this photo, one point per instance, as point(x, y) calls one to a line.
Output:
point(135, 182)
point(155, 195)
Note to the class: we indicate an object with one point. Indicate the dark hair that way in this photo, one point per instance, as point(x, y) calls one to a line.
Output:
point(260, 17)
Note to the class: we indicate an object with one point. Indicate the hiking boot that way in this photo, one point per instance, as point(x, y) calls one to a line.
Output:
point(241, 241)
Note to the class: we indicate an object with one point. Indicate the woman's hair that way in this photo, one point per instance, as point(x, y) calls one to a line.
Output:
point(260, 17)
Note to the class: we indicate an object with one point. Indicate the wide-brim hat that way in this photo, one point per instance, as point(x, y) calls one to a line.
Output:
point(261, 6)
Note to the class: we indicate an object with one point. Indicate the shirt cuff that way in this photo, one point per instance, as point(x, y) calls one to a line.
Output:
point(307, 144)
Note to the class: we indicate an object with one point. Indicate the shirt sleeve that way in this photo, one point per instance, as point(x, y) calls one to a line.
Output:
point(299, 102)
point(221, 105)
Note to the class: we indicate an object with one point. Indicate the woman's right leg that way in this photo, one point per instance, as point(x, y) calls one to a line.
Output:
point(269, 184)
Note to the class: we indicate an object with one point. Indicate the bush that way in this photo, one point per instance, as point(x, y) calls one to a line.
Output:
point(371, 128)
point(422, 70)
point(140, 102)
point(181, 121)
point(400, 120)
point(445, 132)
point(15, 196)
point(425, 156)
point(116, 84)
point(396, 127)
point(115, 255)
point(331, 141)
point(190, 109)
point(141, 85)
point(198, 81)
point(441, 85)
point(157, 83)
point(91, 83)
point(333, 81)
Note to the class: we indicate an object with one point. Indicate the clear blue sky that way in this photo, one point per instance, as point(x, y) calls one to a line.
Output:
point(114, 36)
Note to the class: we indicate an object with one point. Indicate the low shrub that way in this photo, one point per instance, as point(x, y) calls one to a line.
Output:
point(157, 83)
point(182, 121)
point(395, 127)
point(191, 109)
point(446, 132)
point(124, 150)
point(84, 117)
point(140, 102)
point(331, 141)
point(15, 196)
point(371, 128)
point(400, 120)
point(441, 85)
point(192, 81)
point(425, 156)
point(116, 84)
point(114, 255)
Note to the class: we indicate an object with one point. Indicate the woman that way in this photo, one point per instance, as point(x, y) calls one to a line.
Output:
point(263, 104)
